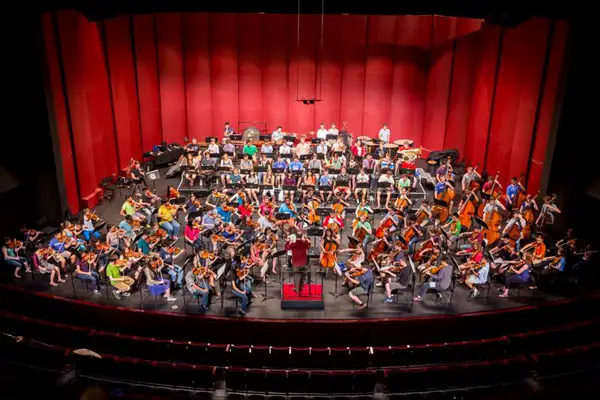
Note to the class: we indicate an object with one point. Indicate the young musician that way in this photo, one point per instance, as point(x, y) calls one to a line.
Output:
point(470, 176)
point(167, 216)
point(384, 134)
point(322, 132)
point(299, 258)
point(10, 255)
point(227, 130)
point(157, 285)
point(513, 190)
point(518, 273)
point(363, 282)
point(438, 282)
point(198, 287)
point(121, 283)
point(386, 182)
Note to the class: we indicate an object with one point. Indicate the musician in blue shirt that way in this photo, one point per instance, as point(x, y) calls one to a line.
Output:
point(288, 207)
point(513, 189)
point(296, 165)
point(325, 180)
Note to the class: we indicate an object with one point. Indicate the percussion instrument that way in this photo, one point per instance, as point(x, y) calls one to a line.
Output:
point(390, 146)
point(364, 138)
point(400, 142)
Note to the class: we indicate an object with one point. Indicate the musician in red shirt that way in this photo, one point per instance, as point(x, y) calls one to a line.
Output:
point(299, 259)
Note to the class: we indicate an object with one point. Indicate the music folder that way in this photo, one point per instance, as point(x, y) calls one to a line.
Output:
point(289, 188)
point(223, 169)
point(282, 216)
point(278, 170)
point(325, 188)
point(260, 168)
point(363, 185)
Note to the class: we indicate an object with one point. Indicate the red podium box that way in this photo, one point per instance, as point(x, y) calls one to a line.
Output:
point(311, 297)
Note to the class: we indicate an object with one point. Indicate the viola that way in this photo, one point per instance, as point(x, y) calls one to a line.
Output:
point(421, 253)
point(207, 255)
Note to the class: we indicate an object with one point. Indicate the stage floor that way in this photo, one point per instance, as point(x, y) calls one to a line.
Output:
point(336, 307)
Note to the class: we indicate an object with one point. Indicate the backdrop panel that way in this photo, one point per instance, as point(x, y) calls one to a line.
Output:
point(171, 76)
point(197, 73)
point(123, 88)
point(58, 110)
point(147, 78)
point(443, 82)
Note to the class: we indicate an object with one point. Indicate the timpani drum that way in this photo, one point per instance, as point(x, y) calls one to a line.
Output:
point(391, 148)
point(400, 142)
point(370, 146)
point(363, 138)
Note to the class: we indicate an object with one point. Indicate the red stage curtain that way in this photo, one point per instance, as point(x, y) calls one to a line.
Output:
point(549, 105)
point(57, 107)
point(432, 79)
point(124, 92)
point(147, 78)
point(197, 74)
point(172, 81)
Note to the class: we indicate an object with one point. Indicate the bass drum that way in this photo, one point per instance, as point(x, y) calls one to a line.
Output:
point(250, 133)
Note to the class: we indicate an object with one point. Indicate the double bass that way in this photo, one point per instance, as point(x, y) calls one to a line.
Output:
point(443, 211)
point(493, 192)
point(529, 218)
point(493, 221)
point(467, 211)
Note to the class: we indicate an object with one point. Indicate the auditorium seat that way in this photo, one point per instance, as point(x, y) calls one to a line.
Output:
point(280, 357)
point(565, 360)
point(298, 381)
point(300, 357)
point(216, 354)
point(319, 382)
point(359, 357)
point(260, 357)
point(341, 381)
point(235, 379)
point(256, 380)
point(320, 357)
point(239, 355)
point(278, 381)
point(364, 381)
point(339, 358)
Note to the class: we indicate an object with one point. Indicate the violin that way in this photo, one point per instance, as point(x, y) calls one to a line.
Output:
point(207, 255)
point(133, 254)
point(102, 246)
point(89, 257)
point(437, 269)
point(15, 244)
point(91, 216)
point(355, 272)
point(173, 193)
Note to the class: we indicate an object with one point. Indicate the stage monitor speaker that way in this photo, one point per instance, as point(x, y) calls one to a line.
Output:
point(153, 175)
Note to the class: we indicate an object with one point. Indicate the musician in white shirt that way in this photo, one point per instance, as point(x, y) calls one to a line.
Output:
point(388, 178)
point(213, 147)
point(302, 148)
point(322, 132)
point(333, 130)
point(285, 149)
point(384, 134)
point(277, 135)
point(322, 148)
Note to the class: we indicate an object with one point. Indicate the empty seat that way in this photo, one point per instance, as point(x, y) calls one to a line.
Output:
point(341, 381)
point(298, 381)
point(256, 380)
point(235, 379)
point(278, 381)
point(280, 357)
point(239, 355)
point(319, 382)
point(364, 381)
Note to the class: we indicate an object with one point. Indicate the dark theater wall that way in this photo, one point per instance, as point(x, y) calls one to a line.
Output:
point(444, 82)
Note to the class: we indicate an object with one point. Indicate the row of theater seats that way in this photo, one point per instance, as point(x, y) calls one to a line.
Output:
point(138, 371)
point(279, 357)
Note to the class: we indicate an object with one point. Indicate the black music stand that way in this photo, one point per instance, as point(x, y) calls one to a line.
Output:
point(277, 254)
point(305, 157)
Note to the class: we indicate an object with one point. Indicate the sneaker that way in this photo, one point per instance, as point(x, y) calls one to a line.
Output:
point(474, 293)
point(117, 295)
point(378, 284)
point(439, 295)
point(97, 292)
point(171, 298)
point(417, 298)
point(126, 294)
point(388, 300)
point(242, 312)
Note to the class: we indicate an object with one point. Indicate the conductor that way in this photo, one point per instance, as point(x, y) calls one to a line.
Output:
point(299, 259)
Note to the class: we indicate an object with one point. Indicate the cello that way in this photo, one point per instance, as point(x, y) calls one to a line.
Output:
point(328, 257)
point(385, 226)
point(442, 211)
point(466, 212)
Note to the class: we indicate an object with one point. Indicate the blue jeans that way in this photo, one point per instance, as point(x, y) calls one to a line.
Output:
point(172, 227)
point(88, 235)
point(243, 298)
point(204, 296)
point(412, 243)
point(94, 278)
point(175, 274)
point(14, 263)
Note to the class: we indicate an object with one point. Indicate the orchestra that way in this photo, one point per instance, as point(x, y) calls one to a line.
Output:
point(266, 201)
